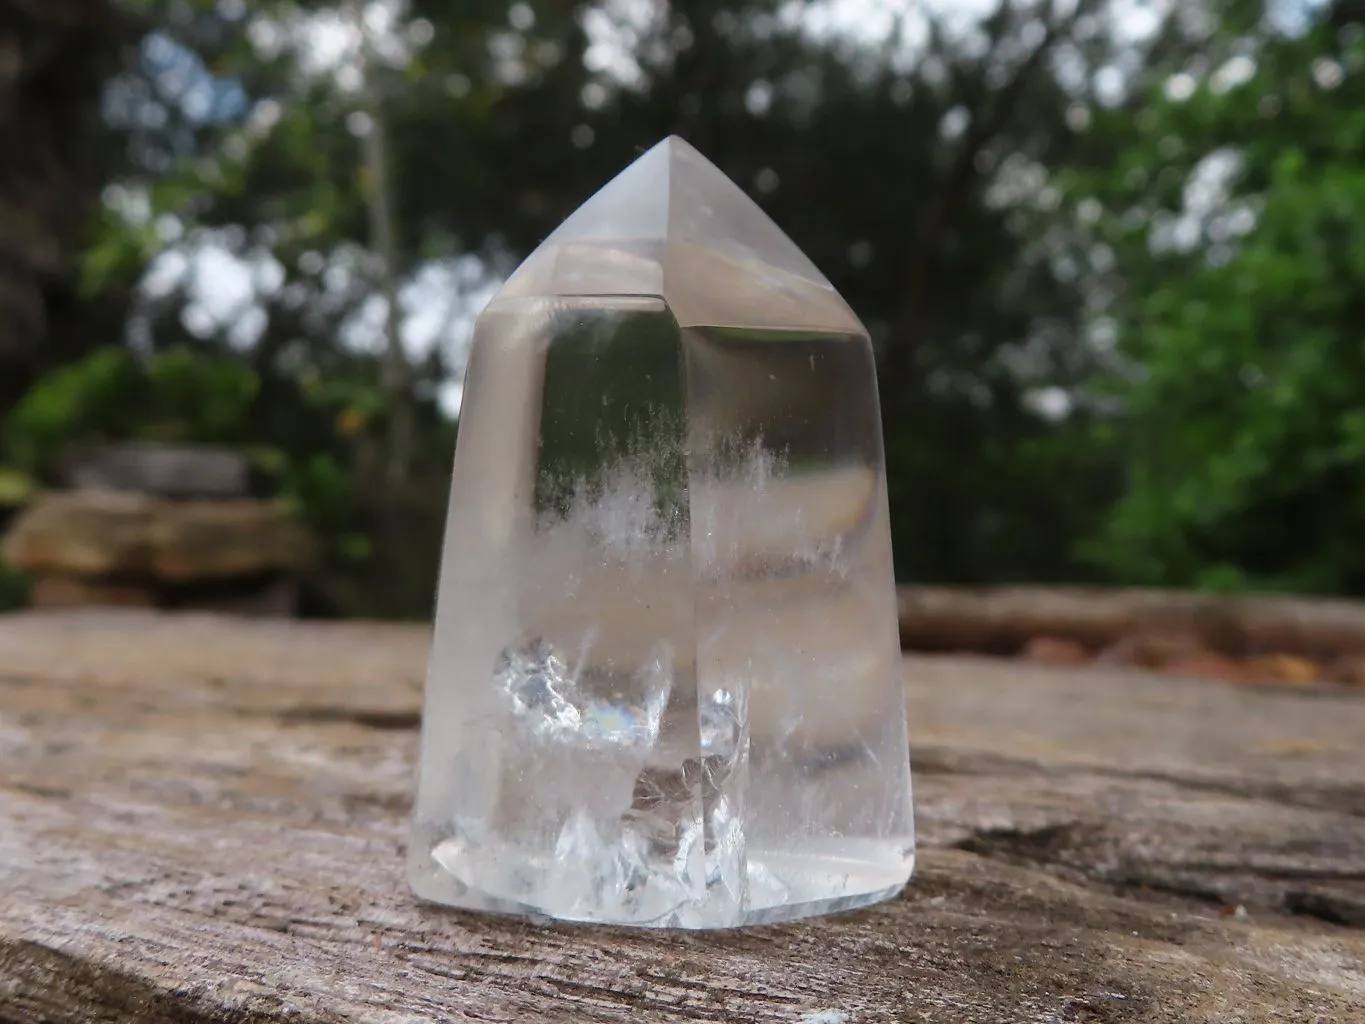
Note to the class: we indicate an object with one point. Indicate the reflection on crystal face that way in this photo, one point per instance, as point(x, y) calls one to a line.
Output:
point(535, 678)
point(549, 700)
point(665, 680)
point(720, 720)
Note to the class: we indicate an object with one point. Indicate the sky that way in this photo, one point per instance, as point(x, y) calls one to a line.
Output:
point(440, 299)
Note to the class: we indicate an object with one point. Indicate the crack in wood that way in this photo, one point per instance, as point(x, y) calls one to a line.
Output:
point(1070, 848)
point(1337, 908)
point(1343, 798)
point(40, 984)
point(381, 719)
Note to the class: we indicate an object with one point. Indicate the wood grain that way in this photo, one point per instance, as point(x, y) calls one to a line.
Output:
point(203, 820)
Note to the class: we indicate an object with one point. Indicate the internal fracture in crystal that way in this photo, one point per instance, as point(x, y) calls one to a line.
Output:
point(665, 684)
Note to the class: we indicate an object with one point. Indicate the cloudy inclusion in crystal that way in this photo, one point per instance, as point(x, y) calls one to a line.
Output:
point(665, 682)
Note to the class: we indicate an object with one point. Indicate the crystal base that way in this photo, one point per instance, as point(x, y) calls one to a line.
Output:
point(783, 886)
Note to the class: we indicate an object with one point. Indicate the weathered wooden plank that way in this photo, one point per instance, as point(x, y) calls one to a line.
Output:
point(1000, 619)
point(203, 820)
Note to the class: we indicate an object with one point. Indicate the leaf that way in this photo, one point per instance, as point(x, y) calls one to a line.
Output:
point(16, 487)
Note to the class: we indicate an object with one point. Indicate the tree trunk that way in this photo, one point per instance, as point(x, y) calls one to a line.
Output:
point(384, 239)
point(54, 58)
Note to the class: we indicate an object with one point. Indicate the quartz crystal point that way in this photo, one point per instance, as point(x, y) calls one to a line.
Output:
point(665, 685)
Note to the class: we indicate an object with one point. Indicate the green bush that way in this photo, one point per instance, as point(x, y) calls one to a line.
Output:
point(113, 395)
point(90, 399)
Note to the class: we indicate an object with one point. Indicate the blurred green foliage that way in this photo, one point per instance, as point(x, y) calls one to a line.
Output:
point(111, 394)
point(1113, 279)
point(1242, 424)
point(187, 396)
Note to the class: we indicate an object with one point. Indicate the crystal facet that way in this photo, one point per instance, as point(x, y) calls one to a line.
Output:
point(665, 684)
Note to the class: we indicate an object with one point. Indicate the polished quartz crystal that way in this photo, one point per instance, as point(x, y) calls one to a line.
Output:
point(665, 685)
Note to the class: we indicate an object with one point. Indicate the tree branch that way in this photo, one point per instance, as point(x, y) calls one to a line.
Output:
point(990, 111)
point(384, 239)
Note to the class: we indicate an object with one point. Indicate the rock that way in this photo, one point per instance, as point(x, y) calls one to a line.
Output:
point(1285, 668)
point(54, 592)
point(255, 597)
point(1208, 665)
point(91, 533)
point(1153, 649)
point(165, 470)
point(1348, 670)
point(110, 534)
point(1051, 650)
point(278, 598)
point(213, 539)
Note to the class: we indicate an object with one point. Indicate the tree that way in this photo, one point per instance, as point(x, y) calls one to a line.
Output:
point(1237, 214)
point(915, 170)
point(56, 56)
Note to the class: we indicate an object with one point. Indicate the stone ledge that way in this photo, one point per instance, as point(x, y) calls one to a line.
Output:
point(119, 536)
